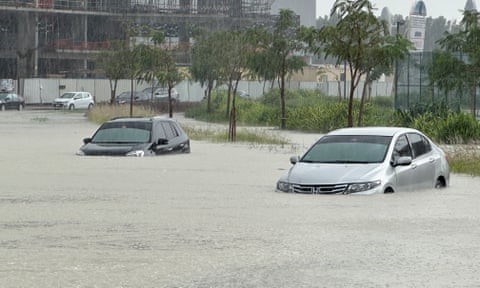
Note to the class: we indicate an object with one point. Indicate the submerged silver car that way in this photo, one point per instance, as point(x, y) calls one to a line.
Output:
point(368, 160)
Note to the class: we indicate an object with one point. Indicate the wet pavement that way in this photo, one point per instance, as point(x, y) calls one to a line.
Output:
point(212, 219)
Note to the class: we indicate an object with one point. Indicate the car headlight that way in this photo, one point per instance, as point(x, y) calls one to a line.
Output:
point(365, 186)
point(283, 186)
point(136, 153)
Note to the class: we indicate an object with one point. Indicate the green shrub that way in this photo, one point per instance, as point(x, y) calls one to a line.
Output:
point(308, 110)
point(458, 127)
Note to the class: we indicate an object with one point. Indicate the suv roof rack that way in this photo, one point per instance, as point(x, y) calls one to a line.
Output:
point(128, 117)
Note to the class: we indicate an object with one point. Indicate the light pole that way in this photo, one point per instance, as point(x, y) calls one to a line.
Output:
point(395, 77)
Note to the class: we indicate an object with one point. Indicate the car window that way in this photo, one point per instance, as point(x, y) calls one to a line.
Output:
point(420, 144)
point(161, 131)
point(402, 148)
point(348, 149)
point(170, 131)
point(175, 129)
point(67, 95)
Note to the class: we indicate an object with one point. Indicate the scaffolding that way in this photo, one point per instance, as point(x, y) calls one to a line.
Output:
point(60, 37)
point(238, 8)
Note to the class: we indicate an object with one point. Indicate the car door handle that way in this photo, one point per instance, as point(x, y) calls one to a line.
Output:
point(431, 160)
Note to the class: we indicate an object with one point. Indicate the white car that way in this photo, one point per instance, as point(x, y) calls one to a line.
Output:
point(74, 100)
point(366, 161)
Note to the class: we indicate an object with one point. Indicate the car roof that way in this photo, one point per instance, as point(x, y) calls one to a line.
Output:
point(379, 131)
point(141, 119)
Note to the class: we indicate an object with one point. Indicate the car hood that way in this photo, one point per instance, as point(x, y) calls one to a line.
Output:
point(321, 173)
point(112, 149)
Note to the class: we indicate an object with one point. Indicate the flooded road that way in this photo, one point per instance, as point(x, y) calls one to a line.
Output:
point(212, 219)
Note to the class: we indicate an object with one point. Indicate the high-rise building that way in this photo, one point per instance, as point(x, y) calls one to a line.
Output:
point(306, 9)
point(470, 5)
point(416, 25)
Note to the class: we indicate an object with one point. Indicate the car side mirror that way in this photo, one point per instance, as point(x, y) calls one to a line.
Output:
point(87, 140)
point(402, 161)
point(294, 160)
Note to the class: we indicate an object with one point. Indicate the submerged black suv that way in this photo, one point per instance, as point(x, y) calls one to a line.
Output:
point(137, 136)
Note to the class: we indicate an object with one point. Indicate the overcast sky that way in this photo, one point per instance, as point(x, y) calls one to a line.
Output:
point(449, 9)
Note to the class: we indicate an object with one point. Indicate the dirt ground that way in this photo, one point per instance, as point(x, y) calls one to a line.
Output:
point(212, 219)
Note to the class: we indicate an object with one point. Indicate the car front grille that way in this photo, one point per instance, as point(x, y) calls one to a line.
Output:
point(319, 189)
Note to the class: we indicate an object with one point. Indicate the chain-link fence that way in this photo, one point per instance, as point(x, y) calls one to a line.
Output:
point(414, 86)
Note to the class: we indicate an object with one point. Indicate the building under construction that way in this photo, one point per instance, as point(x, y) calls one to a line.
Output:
point(61, 38)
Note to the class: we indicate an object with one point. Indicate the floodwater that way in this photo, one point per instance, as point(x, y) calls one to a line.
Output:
point(212, 219)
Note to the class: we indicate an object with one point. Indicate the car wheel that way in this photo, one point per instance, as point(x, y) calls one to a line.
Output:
point(2, 108)
point(388, 190)
point(71, 107)
point(439, 184)
point(20, 107)
point(90, 106)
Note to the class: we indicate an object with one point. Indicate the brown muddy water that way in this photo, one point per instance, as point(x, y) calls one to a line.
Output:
point(212, 219)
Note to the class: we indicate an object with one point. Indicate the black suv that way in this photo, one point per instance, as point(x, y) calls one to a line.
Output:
point(135, 136)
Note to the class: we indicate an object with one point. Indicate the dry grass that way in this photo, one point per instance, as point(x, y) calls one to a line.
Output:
point(104, 112)
point(464, 159)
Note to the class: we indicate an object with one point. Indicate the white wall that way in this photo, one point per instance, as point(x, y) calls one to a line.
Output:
point(42, 91)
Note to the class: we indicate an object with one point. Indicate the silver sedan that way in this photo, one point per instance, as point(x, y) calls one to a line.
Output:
point(368, 160)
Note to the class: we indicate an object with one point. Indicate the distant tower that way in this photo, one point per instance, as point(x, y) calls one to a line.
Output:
point(470, 5)
point(416, 25)
point(387, 17)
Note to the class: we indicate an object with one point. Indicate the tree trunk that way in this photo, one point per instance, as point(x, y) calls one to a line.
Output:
point(170, 102)
point(113, 90)
point(283, 123)
point(232, 127)
point(473, 94)
point(131, 97)
point(362, 100)
point(209, 96)
point(229, 97)
point(353, 86)
point(339, 84)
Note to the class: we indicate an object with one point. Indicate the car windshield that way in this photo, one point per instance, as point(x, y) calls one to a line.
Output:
point(348, 149)
point(3, 95)
point(123, 132)
point(67, 95)
point(149, 90)
point(124, 95)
